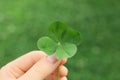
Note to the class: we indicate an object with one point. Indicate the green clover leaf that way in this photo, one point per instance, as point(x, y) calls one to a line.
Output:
point(62, 41)
point(62, 33)
point(66, 50)
point(47, 45)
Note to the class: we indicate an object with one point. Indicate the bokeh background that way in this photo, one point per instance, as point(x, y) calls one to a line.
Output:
point(22, 22)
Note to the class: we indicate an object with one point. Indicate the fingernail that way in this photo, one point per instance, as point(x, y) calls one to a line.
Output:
point(52, 59)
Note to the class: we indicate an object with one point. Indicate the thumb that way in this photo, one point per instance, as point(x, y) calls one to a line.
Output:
point(41, 69)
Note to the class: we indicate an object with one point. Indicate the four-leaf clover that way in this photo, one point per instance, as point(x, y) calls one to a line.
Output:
point(61, 41)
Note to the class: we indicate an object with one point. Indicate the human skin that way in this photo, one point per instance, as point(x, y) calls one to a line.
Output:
point(35, 65)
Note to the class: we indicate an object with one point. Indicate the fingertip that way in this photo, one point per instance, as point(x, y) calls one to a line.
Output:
point(63, 78)
point(63, 71)
point(36, 55)
point(63, 61)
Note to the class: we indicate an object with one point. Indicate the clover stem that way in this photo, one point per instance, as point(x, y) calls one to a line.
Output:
point(58, 74)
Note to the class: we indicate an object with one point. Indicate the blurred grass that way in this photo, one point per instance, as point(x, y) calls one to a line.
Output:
point(22, 22)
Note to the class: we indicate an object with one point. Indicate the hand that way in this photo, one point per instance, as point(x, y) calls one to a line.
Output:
point(35, 65)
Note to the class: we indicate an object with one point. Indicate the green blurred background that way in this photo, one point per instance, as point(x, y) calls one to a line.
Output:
point(22, 22)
